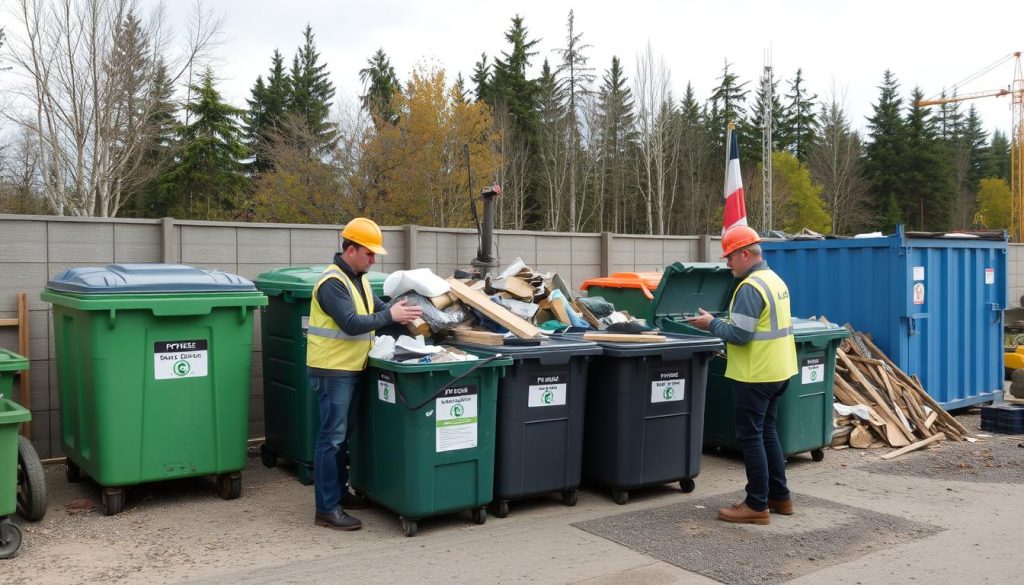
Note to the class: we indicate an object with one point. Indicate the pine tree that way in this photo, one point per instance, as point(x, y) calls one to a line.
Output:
point(727, 105)
point(158, 156)
point(757, 116)
point(481, 78)
point(615, 119)
point(207, 180)
point(884, 161)
point(268, 104)
point(929, 189)
point(975, 137)
point(512, 90)
point(799, 122)
point(577, 78)
point(311, 96)
point(459, 94)
point(380, 84)
point(996, 161)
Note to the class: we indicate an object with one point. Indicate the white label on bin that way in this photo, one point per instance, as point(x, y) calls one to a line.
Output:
point(456, 422)
point(547, 391)
point(386, 388)
point(812, 370)
point(179, 359)
point(668, 387)
point(918, 273)
point(305, 325)
point(990, 276)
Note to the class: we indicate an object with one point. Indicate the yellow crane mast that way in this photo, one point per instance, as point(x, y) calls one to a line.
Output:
point(1016, 92)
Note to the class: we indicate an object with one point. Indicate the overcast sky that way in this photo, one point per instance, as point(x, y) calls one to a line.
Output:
point(842, 46)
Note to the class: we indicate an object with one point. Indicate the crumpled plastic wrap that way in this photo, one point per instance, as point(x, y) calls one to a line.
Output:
point(597, 306)
point(439, 320)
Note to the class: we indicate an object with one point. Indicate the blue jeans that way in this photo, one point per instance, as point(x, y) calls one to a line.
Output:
point(756, 409)
point(339, 402)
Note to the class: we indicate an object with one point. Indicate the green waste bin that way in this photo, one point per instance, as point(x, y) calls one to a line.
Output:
point(12, 415)
point(805, 409)
point(291, 413)
point(424, 443)
point(628, 291)
point(153, 372)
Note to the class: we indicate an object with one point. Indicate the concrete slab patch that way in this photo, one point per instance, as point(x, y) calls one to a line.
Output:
point(822, 533)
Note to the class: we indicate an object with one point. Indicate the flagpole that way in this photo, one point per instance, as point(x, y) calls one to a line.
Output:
point(729, 127)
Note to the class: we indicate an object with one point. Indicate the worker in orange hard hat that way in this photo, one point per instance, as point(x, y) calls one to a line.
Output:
point(344, 314)
point(761, 360)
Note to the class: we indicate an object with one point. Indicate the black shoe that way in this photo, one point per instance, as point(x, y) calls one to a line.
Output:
point(337, 520)
point(351, 501)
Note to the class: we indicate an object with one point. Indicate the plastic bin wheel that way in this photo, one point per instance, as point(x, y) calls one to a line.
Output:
point(817, 454)
point(409, 527)
point(480, 514)
point(10, 538)
point(500, 508)
point(72, 472)
point(621, 497)
point(267, 456)
point(304, 473)
point(229, 485)
point(113, 501)
point(687, 485)
point(570, 497)
point(31, 482)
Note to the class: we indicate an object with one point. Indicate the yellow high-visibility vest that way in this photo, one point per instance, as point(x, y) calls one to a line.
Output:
point(771, 355)
point(327, 346)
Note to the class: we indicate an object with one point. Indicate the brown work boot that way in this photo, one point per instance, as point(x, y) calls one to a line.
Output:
point(784, 507)
point(741, 513)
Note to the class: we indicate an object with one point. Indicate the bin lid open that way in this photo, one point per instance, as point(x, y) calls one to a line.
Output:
point(147, 278)
point(12, 362)
point(687, 286)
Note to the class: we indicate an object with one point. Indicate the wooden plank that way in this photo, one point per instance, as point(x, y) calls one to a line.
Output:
point(443, 301)
point(517, 325)
point(915, 446)
point(558, 308)
point(583, 310)
point(419, 327)
point(896, 434)
point(479, 337)
point(624, 338)
point(932, 416)
point(9, 322)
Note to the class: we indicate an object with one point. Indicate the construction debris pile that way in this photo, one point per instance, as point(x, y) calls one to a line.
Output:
point(878, 405)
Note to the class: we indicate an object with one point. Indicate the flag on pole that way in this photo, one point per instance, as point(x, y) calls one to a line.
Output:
point(735, 206)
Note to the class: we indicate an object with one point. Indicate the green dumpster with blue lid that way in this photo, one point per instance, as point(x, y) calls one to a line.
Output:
point(805, 409)
point(290, 408)
point(424, 442)
point(153, 373)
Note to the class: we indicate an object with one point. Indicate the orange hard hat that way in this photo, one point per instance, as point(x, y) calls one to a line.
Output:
point(737, 237)
point(366, 233)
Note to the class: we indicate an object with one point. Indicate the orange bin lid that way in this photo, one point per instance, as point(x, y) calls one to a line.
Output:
point(645, 281)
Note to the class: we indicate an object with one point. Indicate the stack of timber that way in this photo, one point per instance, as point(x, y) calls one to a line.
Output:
point(900, 413)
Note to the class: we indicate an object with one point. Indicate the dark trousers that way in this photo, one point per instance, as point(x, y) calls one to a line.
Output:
point(756, 409)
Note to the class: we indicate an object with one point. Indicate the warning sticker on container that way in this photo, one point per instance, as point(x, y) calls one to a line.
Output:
point(179, 359)
point(456, 419)
point(990, 276)
point(919, 294)
point(547, 391)
point(386, 388)
point(812, 370)
point(668, 387)
point(918, 273)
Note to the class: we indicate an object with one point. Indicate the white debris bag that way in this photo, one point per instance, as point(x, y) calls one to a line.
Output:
point(421, 280)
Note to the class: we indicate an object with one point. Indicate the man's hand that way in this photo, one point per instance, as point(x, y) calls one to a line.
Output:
point(702, 320)
point(403, 313)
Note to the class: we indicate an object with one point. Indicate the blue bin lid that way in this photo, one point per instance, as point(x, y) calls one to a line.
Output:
point(147, 278)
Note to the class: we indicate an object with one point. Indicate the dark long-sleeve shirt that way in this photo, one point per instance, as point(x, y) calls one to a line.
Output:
point(336, 300)
point(746, 310)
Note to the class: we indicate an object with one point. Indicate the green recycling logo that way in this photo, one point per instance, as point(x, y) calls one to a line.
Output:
point(458, 410)
point(669, 393)
point(181, 368)
point(547, 397)
point(387, 393)
point(814, 375)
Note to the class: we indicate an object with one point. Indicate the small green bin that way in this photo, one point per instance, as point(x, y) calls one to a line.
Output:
point(153, 371)
point(424, 443)
point(12, 415)
point(805, 409)
point(291, 413)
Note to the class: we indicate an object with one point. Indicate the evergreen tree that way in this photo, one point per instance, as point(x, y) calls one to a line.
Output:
point(996, 160)
point(268, 104)
point(577, 78)
point(884, 161)
point(757, 116)
point(158, 156)
point(481, 79)
point(975, 137)
point(799, 122)
point(207, 180)
point(615, 122)
point(459, 94)
point(311, 96)
point(727, 105)
point(511, 89)
point(929, 189)
point(380, 84)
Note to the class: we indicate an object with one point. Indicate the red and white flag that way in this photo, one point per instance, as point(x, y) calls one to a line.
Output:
point(735, 206)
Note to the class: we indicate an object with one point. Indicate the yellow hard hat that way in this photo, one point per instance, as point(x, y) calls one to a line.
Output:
point(366, 233)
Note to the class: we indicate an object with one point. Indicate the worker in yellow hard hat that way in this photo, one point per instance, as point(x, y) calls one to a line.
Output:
point(344, 313)
point(761, 360)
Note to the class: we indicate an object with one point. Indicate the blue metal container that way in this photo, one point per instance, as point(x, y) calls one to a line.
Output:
point(934, 305)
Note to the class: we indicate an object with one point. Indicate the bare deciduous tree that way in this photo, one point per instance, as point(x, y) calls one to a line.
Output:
point(652, 91)
point(835, 164)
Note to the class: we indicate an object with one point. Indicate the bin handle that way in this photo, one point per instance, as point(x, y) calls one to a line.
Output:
point(476, 366)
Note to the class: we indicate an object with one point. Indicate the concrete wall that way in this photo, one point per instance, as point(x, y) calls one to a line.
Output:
point(34, 248)
point(1015, 275)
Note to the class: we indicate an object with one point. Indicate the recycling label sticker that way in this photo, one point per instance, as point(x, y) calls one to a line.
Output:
point(668, 387)
point(304, 324)
point(456, 420)
point(812, 370)
point(180, 359)
point(547, 391)
point(386, 388)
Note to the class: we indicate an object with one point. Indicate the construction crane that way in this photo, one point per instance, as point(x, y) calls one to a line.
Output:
point(1016, 92)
